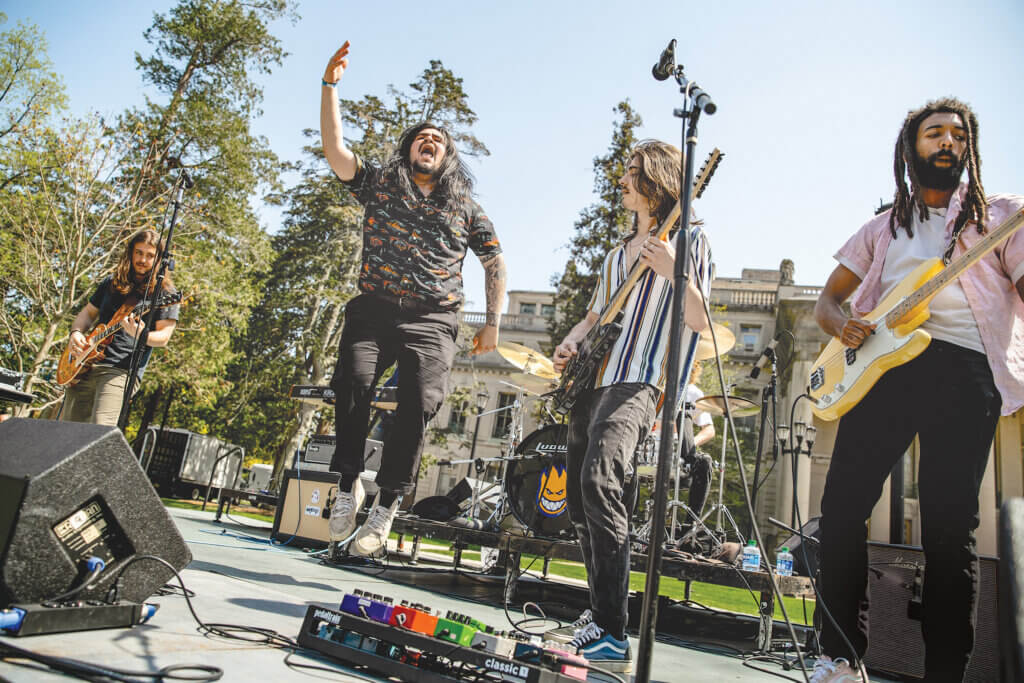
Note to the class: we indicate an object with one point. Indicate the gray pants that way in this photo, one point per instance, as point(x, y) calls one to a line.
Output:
point(97, 398)
point(605, 428)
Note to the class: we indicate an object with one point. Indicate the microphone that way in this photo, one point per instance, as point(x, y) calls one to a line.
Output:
point(666, 63)
point(766, 355)
point(175, 162)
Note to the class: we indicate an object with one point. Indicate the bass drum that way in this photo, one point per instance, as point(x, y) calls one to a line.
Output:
point(536, 483)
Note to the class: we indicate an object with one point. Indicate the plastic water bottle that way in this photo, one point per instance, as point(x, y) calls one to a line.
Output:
point(784, 562)
point(751, 557)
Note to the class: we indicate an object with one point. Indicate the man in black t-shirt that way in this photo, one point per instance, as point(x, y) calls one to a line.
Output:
point(97, 398)
point(420, 221)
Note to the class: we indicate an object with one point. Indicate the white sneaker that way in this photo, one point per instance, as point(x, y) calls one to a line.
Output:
point(343, 512)
point(373, 536)
point(828, 670)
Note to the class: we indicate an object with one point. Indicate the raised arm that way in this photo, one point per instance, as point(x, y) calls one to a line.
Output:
point(340, 158)
point(494, 286)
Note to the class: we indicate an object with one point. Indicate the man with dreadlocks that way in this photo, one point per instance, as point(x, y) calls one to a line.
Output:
point(419, 221)
point(950, 396)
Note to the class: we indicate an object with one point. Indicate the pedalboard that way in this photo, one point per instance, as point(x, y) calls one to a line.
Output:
point(415, 643)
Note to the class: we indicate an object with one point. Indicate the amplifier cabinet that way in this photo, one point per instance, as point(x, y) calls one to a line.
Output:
point(895, 644)
point(303, 508)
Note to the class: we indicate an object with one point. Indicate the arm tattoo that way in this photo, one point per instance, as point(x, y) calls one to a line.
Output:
point(494, 285)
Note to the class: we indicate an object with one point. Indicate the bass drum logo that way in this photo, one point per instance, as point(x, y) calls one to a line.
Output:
point(551, 500)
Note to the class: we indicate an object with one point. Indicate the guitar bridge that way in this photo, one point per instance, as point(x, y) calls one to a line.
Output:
point(817, 379)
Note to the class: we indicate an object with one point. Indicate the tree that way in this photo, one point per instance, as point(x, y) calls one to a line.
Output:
point(600, 227)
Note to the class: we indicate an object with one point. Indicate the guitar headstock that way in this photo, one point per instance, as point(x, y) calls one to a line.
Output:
point(706, 171)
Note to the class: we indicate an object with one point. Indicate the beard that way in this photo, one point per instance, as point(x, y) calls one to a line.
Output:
point(420, 167)
point(936, 177)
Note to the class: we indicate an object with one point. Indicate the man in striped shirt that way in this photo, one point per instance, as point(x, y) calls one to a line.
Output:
point(608, 423)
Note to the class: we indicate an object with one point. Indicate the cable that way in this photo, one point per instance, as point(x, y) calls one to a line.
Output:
point(803, 549)
point(746, 495)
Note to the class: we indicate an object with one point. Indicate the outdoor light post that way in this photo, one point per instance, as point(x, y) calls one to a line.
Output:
point(801, 432)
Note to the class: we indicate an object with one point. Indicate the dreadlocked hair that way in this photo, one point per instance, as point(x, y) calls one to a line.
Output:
point(124, 279)
point(453, 181)
point(907, 200)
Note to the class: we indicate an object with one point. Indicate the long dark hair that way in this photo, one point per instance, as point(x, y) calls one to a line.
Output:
point(657, 179)
point(124, 277)
point(906, 200)
point(453, 180)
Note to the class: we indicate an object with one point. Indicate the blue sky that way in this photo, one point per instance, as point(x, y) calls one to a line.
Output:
point(810, 96)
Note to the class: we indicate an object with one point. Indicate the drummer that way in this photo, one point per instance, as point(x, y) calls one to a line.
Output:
point(700, 463)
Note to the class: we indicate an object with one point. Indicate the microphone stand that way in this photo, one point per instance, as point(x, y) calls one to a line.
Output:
point(183, 182)
point(694, 101)
point(768, 395)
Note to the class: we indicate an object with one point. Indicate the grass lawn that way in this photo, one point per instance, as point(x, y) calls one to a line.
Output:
point(721, 597)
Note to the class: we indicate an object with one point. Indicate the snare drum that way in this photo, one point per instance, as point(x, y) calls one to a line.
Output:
point(536, 482)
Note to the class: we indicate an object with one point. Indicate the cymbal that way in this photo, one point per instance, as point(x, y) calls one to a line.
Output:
point(527, 359)
point(739, 406)
point(706, 347)
point(531, 384)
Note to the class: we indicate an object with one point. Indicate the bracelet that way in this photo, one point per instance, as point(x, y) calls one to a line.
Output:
point(329, 85)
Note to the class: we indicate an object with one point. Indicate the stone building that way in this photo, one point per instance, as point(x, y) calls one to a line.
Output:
point(758, 306)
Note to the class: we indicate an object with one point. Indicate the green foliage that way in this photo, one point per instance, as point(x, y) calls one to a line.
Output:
point(600, 227)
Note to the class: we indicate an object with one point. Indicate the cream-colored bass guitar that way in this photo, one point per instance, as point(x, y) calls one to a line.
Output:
point(842, 376)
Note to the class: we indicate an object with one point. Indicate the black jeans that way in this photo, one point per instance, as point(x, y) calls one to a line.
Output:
point(377, 333)
point(605, 428)
point(700, 464)
point(947, 397)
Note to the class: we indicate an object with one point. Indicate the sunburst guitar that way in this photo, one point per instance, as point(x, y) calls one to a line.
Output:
point(72, 368)
point(842, 376)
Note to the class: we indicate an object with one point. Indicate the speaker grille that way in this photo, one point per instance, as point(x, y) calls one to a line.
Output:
point(895, 643)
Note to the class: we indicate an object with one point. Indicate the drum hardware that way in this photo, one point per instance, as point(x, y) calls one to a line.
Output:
point(710, 404)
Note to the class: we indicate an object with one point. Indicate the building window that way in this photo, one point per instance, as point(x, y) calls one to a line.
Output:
point(528, 309)
point(457, 419)
point(749, 337)
point(503, 419)
point(547, 310)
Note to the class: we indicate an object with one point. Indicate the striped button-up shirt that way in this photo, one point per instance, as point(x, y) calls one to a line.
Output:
point(640, 354)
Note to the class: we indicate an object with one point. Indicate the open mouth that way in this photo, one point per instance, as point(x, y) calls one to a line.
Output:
point(552, 507)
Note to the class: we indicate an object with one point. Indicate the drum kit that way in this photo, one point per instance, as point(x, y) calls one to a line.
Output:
point(532, 478)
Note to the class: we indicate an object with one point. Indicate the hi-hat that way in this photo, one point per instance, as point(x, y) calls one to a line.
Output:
point(706, 347)
point(715, 405)
point(528, 360)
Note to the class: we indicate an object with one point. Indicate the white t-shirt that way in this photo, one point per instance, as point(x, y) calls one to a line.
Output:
point(700, 418)
point(951, 317)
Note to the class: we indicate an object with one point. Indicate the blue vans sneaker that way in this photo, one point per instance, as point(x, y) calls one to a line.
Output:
point(603, 649)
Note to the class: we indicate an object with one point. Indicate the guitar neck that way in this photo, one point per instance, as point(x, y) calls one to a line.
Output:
point(618, 299)
point(933, 286)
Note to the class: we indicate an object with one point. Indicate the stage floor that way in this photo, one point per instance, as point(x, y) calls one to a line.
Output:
point(238, 578)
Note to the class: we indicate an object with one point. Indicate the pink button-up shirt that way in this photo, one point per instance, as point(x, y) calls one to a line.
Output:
point(989, 286)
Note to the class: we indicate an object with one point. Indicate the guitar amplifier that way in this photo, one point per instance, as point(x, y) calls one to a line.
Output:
point(319, 449)
point(303, 508)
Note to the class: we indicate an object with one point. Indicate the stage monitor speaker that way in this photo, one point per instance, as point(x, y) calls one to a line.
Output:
point(811, 529)
point(304, 508)
point(71, 491)
point(895, 645)
point(1011, 582)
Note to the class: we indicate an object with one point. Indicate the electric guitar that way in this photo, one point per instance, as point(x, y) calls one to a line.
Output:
point(841, 376)
point(72, 368)
point(580, 372)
